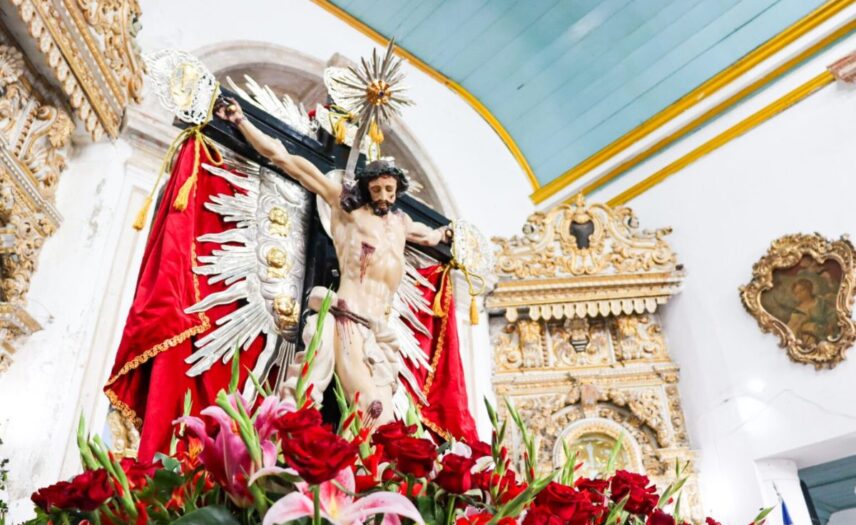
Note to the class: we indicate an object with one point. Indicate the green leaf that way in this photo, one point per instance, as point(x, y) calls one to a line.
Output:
point(86, 456)
point(761, 515)
point(300, 389)
point(613, 456)
point(491, 412)
point(169, 463)
point(264, 392)
point(208, 516)
point(615, 512)
point(167, 481)
point(425, 505)
point(236, 364)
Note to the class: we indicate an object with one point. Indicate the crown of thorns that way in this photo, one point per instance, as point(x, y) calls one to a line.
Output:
point(377, 168)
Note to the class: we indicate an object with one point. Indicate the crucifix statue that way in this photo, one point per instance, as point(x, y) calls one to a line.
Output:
point(369, 237)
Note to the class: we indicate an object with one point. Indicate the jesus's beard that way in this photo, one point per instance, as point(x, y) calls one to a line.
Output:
point(381, 208)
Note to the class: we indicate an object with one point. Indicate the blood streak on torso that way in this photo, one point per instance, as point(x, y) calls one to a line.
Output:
point(370, 250)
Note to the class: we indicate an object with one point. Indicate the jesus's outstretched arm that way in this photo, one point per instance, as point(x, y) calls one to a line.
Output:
point(301, 169)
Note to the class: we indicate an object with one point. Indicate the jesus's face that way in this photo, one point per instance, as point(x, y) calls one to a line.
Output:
point(382, 194)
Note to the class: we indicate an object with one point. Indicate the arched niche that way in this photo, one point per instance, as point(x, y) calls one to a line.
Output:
point(300, 76)
point(593, 439)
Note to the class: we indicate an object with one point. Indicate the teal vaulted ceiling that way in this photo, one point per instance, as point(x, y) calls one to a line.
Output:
point(567, 78)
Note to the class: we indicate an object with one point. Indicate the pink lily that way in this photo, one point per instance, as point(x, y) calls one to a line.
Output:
point(225, 455)
point(339, 507)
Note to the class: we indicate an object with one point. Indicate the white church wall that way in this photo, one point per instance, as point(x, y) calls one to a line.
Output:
point(745, 401)
point(58, 372)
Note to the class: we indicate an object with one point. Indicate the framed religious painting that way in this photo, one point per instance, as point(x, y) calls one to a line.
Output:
point(802, 291)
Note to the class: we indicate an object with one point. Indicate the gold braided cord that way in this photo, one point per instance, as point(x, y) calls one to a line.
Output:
point(441, 337)
point(127, 412)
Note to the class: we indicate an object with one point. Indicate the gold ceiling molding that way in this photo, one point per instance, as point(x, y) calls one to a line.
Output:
point(35, 129)
point(802, 290)
point(579, 260)
point(89, 45)
point(416, 62)
point(580, 351)
point(791, 98)
point(701, 93)
point(714, 112)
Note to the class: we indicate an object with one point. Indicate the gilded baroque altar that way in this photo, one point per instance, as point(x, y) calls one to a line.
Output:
point(63, 63)
point(578, 343)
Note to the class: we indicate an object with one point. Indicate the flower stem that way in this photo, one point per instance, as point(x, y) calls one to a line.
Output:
point(451, 514)
point(316, 503)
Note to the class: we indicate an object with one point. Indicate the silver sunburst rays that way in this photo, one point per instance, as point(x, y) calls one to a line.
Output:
point(372, 92)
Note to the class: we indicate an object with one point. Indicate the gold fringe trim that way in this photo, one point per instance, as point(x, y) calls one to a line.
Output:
point(441, 338)
point(164, 345)
point(156, 349)
point(436, 428)
point(127, 412)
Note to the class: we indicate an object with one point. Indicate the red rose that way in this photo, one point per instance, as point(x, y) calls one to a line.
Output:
point(482, 518)
point(711, 521)
point(474, 519)
point(317, 454)
point(596, 486)
point(658, 517)
point(86, 492)
point(541, 516)
point(455, 476)
point(390, 432)
point(571, 506)
point(642, 497)
point(137, 472)
point(412, 455)
point(480, 449)
point(292, 422)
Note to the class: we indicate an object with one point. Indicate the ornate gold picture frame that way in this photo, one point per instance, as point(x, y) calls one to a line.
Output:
point(802, 290)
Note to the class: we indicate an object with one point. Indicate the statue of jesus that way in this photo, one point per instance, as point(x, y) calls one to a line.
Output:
point(369, 239)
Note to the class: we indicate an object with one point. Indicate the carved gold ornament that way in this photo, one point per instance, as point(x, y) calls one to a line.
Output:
point(802, 290)
point(287, 314)
point(90, 48)
point(578, 344)
point(579, 260)
point(277, 263)
point(279, 222)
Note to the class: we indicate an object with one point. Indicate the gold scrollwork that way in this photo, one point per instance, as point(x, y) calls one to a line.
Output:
point(802, 291)
point(579, 239)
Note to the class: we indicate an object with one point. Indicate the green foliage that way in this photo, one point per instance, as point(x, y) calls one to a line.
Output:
point(300, 389)
point(208, 516)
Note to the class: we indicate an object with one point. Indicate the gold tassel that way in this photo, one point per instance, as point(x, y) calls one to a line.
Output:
point(474, 311)
point(183, 197)
point(375, 133)
point(140, 221)
point(339, 130)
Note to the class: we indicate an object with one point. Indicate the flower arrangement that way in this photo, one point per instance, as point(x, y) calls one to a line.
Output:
point(276, 462)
